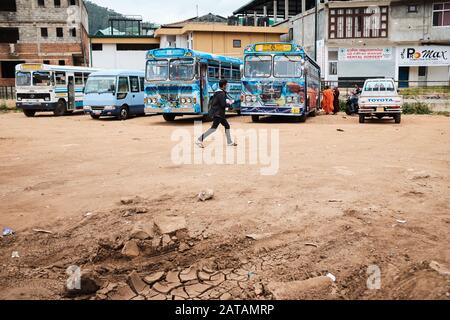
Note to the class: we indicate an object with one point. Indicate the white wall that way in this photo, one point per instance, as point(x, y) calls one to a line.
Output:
point(438, 74)
point(110, 58)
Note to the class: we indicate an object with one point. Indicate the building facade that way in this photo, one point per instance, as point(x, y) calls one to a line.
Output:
point(42, 31)
point(213, 34)
point(407, 40)
point(123, 45)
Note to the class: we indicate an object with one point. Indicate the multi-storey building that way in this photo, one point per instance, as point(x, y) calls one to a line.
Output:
point(42, 31)
point(408, 40)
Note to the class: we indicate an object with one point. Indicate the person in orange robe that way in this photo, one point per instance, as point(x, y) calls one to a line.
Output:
point(327, 100)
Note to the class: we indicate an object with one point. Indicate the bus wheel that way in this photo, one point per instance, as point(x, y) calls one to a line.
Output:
point(29, 113)
point(362, 118)
point(255, 118)
point(169, 117)
point(60, 109)
point(301, 118)
point(312, 113)
point(123, 114)
point(95, 116)
point(398, 118)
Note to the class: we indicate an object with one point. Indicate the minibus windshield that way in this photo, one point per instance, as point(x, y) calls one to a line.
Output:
point(100, 85)
point(23, 79)
point(42, 79)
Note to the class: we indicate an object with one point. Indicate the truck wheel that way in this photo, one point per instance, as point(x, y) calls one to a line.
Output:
point(95, 117)
point(255, 119)
point(60, 109)
point(398, 118)
point(169, 117)
point(362, 118)
point(29, 113)
point(123, 114)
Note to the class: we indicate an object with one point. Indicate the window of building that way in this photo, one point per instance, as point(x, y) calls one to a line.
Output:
point(134, 83)
point(141, 81)
point(9, 35)
point(78, 78)
point(57, 3)
point(46, 62)
point(237, 44)
point(41, 3)
point(97, 47)
point(62, 62)
point(369, 22)
point(441, 14)
point(8, 5)
point(72, 2)
point(423, 71)
point(136, 46)
point(59, 32)
point(73, 32)
point(60, 77)
point(412, 8)
point(333, 68)
point(8, 69)
point(44, 32)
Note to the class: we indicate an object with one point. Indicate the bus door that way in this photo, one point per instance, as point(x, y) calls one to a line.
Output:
point(204, 87)
point(70, 93)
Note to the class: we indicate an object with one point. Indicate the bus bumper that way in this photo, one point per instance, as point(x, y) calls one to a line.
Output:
point(37, 106)
point(273, 111)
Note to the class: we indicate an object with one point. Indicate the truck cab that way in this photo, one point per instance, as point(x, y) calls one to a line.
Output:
point(380, 98)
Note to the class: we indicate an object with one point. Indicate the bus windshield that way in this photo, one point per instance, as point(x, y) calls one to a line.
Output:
point(23, 79)
point(100, 85)
point(182, 69)
point(258, 66)
point(287, 66)
point(42, 79)
point(157, 70)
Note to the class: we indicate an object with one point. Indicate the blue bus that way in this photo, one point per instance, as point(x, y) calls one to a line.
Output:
point(42, 87)
point(181, 81)
point(279, 79)
point(116, 93)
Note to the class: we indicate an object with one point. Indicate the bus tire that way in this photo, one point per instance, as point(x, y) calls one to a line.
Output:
point(61, 108)
point(398, 118)
point(255, 119)
point(362, 118)
point(312, 113)
point(302, 118)
point(169, 117)
point(123, 113)
point(95, 116)
point(29, 113)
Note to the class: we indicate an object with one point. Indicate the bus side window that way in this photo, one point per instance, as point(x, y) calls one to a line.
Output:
point(123, 85)
point(225, 71)
point(213, 70)
point(60, 78)
point(141, 81)
point(134, 82)
point(85, 77)
point(236, 72)
point(78, 78)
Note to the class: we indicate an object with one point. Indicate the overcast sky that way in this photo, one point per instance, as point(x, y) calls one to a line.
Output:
point(167, 11)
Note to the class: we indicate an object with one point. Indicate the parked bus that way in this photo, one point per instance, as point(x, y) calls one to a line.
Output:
point(41, 87)
point(279, 79)
point(181, 81)
point(117, 93)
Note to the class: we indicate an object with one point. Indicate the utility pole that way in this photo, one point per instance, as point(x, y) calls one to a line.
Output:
point(197, 11)
point(316, 27)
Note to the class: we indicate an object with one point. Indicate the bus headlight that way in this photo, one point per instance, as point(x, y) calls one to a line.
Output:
point(248, 98)
point(154, 101)
point(289, 99)
point(254, 99)
point(189, 100)
point(183, 100)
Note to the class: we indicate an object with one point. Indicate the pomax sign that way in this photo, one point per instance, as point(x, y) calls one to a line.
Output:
point(424, 56)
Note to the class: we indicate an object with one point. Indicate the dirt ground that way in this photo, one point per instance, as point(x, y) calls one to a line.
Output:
point(342, 202)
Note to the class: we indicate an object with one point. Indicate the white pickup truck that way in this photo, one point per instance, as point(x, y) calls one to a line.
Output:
point(379, 99)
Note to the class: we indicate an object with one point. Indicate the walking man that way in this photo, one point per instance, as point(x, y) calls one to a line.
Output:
point(219, 103)
point(336, 102)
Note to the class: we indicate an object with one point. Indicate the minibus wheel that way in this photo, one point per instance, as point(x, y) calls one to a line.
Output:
point(169, 117)
point(255, 118)
point(95, 117)
point(60, 109)
point(29, 113)
point(123, 113)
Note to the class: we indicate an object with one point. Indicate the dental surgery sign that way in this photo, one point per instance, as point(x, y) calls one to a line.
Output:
point(424, 56)
point(365, 54)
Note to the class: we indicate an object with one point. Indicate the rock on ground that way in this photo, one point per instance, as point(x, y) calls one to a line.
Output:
point(297, 290)
point(170, 225)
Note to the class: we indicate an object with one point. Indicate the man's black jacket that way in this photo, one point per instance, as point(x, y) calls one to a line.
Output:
point(219, 105)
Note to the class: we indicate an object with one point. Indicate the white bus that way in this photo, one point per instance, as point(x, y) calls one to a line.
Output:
point(41, 87)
